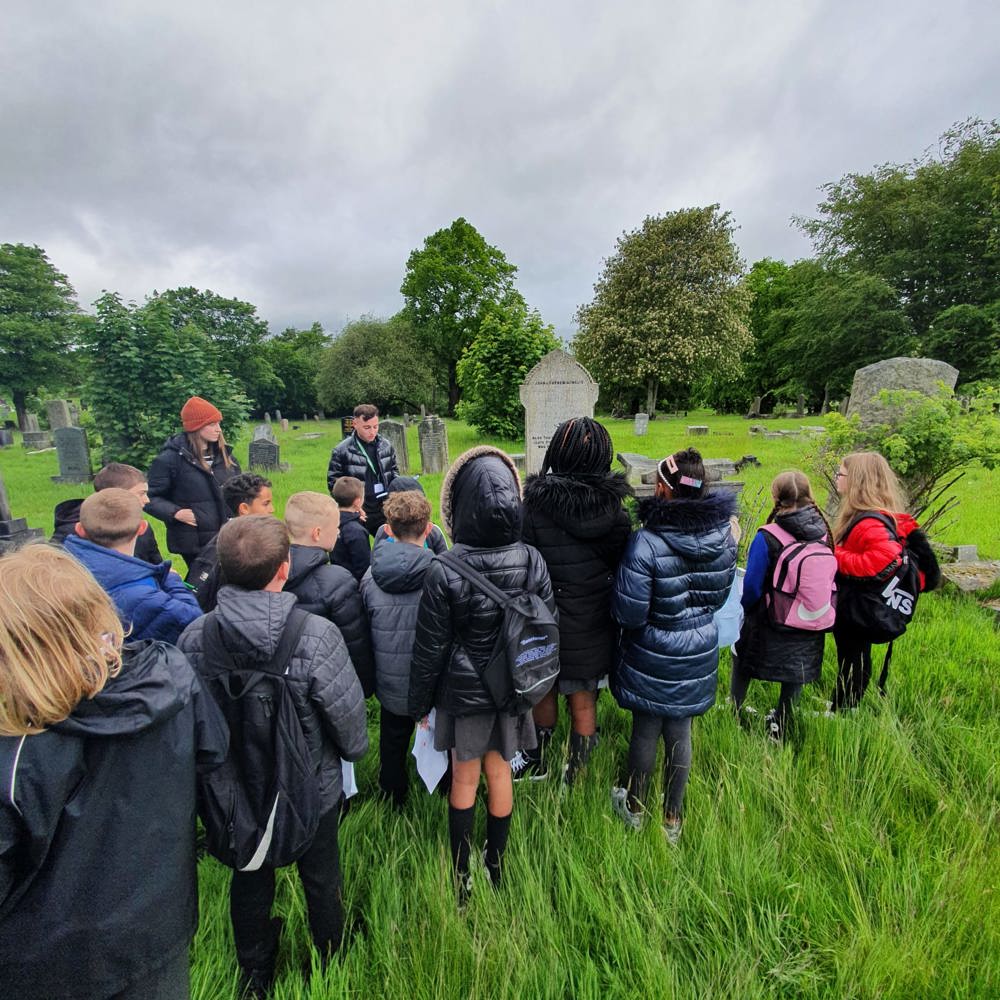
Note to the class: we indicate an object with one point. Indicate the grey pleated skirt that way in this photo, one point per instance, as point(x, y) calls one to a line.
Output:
point(471, 736)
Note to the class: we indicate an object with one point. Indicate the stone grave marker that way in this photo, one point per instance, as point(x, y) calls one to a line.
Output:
point(346, 426)
point(73, 453)
point(719, 468)
point(264, 451)
point(395, 433)
point(58, 414)
point(277, 415)
point(557, 388)
point(74, 415)
point(697, 430)
point(641, 424)
point(36, 440)
point(14, 531)
point(6, 437)
point(916, 374)
point(284, 423)
point(31, 422)
point(636, 465)
point(800, 408)
point(754, 411)
point(842, 408)
point(433, 436)
point(267, 417)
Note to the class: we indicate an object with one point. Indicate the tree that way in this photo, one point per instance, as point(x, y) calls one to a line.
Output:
point(294, 356)
point(375, 361)
point(449, 284)
point(510, 342)
point(929, 228)
point(143, 369)
point(38, 319)
point(669, 306)
point(967, 337)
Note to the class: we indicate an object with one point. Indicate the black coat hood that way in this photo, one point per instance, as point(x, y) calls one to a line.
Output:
point(688, 515)
point(481, 499)
point(399, 567)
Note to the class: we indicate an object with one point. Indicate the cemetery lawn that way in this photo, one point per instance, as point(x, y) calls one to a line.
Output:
point(861, 859)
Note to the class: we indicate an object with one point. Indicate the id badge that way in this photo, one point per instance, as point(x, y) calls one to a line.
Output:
point(379, 489)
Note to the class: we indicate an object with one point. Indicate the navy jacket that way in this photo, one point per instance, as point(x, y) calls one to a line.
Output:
point(675, 574)
point(151, 600)
point(353, 549)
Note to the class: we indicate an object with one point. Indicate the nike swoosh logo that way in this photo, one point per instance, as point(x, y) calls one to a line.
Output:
point(811, 616)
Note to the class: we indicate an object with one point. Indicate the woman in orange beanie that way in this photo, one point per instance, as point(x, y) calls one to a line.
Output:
point(186, 478)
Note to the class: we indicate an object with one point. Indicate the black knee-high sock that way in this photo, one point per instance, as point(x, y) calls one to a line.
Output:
point(497, 829)
point(460, 835)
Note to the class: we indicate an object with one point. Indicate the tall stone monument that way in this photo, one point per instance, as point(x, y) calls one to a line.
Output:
point(557, 388)
point(915, 374)
point(433, 435)
point(73, 453)
point(395, 433)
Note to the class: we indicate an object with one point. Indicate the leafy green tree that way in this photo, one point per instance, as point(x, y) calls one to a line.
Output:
point(294, 356)
point(929, 228)
point(378, 361)
point(448, 287)
point(38, 321)
point(967, 337)
point(510, 342)
point(142, 371)
point(669, 306)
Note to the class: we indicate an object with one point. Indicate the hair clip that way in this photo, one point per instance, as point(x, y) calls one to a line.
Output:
point(688, 481)
point(671, 463)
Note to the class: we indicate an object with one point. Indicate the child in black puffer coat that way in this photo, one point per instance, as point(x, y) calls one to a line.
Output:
point(573, 515)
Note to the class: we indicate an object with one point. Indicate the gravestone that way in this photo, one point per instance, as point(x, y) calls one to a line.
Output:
point(74, 456)
point(346, 426)
point(718, 468)
point(800, 408)
point(264, 451)
point(36, 440)
point(14, 531)
point(58, 414)
point(395, 434)
point(74, 415)
point(277, 415)
point(267, 417)
point(636, 465)
point(31, 423)
point(423, 411)
point(916, 374)
point(697, 430)
point(641, 424)
point(842, 408)
point(284, 423)
point(555, 390)
point(433, 436)
point(754, 412)
point(6, 437)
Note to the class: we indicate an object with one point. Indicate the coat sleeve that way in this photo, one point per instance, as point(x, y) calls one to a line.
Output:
point(359, 553)
point(336, 468)
point(540, 582)
point(166, 610)
point(347, 612)
point(161, 487)
point(633, 590)
point(432, 643)
point(868, 550)
point(391, 466)
point(756, 574)
point(335, 693)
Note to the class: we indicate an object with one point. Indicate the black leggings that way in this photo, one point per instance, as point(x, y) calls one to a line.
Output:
point(740, 681)
point(854, 669)
point(646, 731)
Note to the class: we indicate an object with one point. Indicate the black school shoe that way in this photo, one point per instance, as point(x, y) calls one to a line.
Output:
point(528, 765)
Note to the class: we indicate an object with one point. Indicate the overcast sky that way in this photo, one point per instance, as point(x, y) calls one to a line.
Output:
point(294, 154)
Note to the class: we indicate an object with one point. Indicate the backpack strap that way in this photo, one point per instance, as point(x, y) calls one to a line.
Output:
point(874, 515)
point(474, 577)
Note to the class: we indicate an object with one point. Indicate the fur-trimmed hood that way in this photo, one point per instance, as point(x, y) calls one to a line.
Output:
point(585, 508)
point(494, 518)
point(688, 515)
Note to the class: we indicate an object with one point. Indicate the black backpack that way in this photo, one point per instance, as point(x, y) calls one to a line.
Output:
point(878, 610)
point(524, 663)
point(261, 807)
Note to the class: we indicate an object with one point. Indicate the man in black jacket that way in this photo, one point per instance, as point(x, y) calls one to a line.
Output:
point(367, 456)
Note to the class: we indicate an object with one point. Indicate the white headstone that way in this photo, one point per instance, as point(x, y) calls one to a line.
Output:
point(556, 389)
point(641, 424)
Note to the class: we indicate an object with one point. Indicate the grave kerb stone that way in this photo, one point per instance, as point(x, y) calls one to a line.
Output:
point(697, 430)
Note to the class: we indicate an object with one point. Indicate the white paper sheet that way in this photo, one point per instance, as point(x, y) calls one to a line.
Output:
point(431, 763)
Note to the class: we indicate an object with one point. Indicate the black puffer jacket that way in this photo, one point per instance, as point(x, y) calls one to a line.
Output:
point(347, 459)
point(457, 624)
point(787, 655)
point(326, 692)
point(581, 529)
point(67, 516)
point(97, 832)
point(331, 592)
point(177, 481)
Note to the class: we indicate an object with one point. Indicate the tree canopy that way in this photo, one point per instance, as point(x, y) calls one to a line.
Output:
point(38, 322)
point(668, 307)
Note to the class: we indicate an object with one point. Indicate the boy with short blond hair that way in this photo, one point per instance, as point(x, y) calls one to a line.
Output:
point(152, 601)
point(313, 521)
point(353, 548)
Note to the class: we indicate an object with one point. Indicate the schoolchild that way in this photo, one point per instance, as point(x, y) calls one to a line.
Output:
point(868, 551)
point(186, 479)
point(353, 548)
point(99, 745)
point(675, 574)
point(252, 613)
point(247, 493)
point(391, 592)
point(152, 601)
point(457, 629)
point(114, 474)
point(331, 592)
point(573, 515)
point(766, 651)
point(435, 541)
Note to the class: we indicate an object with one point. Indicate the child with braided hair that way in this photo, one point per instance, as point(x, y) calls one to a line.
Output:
point(573, 515)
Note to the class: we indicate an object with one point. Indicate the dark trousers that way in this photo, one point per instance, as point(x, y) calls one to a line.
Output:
point(854, 669)
point(251, 895)
point(646, 732)
point(394, 734)
point(171, 981)
point(740, 681)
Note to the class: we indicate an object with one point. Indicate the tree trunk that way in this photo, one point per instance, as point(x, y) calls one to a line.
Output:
point(454, 393)
point(826, 398)
point(21, 409)
point(652, 387)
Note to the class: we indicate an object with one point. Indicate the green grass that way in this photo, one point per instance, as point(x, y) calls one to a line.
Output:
point(859, 860)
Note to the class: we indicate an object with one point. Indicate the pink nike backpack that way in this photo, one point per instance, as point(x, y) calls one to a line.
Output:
point(803, 594)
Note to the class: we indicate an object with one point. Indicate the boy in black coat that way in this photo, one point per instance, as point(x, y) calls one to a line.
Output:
point(353, 548)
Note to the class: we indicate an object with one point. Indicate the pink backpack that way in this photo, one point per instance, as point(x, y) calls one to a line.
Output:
point(803, 594)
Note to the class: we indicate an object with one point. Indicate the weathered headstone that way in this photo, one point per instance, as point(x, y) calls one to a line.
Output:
point(555, 390)
point(915, 374)
point(346, 426)
point(6, 437)
point(14, 531)
point(641, 424)
point(697, 430)
point(74, 456)
point(58, 414)
point(844, 404)
point(636, 465)
point(518, 459)
point(31, 422)
point(277, 415)
point(754, 408)
point(800, 408)
point(433, 436)
point(264, 451)
point(395, 433)
point(718, 468)
point(423, 411)
point(284, 423)
point(267, 417)
point(36, 440)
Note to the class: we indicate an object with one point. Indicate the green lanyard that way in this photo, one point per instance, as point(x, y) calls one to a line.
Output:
point(367, 457)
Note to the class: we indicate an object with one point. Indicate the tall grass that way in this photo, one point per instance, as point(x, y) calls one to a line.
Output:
point(860, 859)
